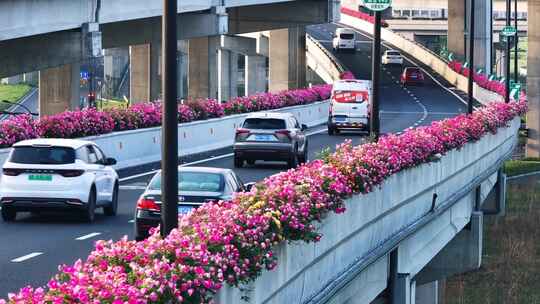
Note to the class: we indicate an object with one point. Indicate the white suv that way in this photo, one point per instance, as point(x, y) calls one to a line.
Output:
point(349, 107)
point(58, 174)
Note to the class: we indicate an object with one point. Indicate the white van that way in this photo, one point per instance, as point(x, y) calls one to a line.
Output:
point(344, 39)
point(349, 108)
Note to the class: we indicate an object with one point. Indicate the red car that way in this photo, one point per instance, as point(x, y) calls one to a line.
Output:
point(412, 75)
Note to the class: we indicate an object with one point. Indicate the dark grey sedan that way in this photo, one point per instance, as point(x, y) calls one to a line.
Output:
point(196, 186)
point(271, 136)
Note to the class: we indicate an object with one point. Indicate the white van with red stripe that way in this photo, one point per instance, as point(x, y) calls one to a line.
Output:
point(349, 108)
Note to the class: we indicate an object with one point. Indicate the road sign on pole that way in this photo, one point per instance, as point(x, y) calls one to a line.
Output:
point(509, 31)
point(377, 5)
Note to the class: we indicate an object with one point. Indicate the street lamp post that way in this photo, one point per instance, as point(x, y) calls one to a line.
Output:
point(169, 162)
point(507, 59)
point(471, 60)
point(516, 41)
point(375, 75)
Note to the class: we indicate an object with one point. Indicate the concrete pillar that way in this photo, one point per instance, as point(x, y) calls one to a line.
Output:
point(202, 67)
point(456, 27)
point(404, 292)
point(482, 34)
point(59, 89)
point(255, 74)
point(287, 59)
point(427, 293)
point(227, 74)
point(145, 72)
point(533, 79)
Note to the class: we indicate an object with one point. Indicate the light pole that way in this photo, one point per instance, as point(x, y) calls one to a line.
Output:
point(169, 162)
point(516, 41)
point(375, 75)
point(507, 59)
point(471, 60)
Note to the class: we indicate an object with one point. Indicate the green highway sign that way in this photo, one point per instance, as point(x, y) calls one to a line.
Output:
point(508, 31)
point(377, 5)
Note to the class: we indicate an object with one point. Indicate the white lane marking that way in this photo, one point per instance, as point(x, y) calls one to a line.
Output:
point(130, 187)
point(88, 236)
point(131, 221)
point(26, 257)
point(194, 163)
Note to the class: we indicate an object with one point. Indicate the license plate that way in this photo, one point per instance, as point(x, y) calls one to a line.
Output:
point(264, 137)
point(40, 177)
point(356, 120)
point(414, 76)
point(184, 209)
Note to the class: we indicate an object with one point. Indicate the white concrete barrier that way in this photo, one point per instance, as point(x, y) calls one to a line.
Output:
point(138, 147)
point(312, 273)
point(425, 56)
point(322, 62)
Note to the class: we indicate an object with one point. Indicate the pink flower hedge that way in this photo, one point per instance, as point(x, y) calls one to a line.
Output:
point(231, 242)
point(361, 15)
point(481, 79)
point(73, 124)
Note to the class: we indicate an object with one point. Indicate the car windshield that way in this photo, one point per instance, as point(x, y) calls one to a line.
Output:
point(346, 36)
point(193, 181)
point(42, 155)
point(264, 123)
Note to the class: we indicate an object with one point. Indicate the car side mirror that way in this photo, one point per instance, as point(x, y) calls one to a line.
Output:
point(248, 186)
point(109, 161)
point(304, 127)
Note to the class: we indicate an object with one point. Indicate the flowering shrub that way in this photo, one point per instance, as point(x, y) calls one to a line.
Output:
point(480, 79)
point(72, 124)
point(361, 15)
point(231, 241)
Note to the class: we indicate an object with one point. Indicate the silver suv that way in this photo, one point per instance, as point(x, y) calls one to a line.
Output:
point(270, 136)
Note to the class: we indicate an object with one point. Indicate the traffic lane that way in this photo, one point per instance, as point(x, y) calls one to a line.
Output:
point(55, 236)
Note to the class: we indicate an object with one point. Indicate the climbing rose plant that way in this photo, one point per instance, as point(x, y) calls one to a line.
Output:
point(87, 122)
point(232, 242)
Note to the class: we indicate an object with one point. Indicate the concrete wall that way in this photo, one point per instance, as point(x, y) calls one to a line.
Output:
point(138, 147)
point(321, 61)
point(350, 263)
point(426, 56)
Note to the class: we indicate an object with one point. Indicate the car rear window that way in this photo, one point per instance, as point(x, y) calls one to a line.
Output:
point(346, 36)
point(194, 181)
point(43, 155)
point(394, 53)
point(265, 123)
point(413, 71)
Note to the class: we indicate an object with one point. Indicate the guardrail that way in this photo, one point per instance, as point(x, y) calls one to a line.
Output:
point(426, 56)
point(323, 62)
point(354, 261)
point(143, 146)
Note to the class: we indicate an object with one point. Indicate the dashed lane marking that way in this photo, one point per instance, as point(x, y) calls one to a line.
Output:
point(88, 236)
point(26, 257)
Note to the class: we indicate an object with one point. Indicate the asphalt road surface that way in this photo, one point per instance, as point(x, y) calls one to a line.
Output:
point(33, 246)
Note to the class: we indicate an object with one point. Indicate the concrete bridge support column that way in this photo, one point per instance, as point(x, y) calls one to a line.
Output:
point(427, 293)
point(227, 75)
point(202, 67)
point(145, 72)
point(482, 33)
point(456, 27)
point(287, 59)
point(533, 79)
point(255, 74)
point(59, 89)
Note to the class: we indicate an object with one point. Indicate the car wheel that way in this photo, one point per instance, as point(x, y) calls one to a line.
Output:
point(238, 162)
point(331, 130)
point(293, 161)
point(90, 212)
point(112, 208)
point(8, 214)
point(302, 159)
